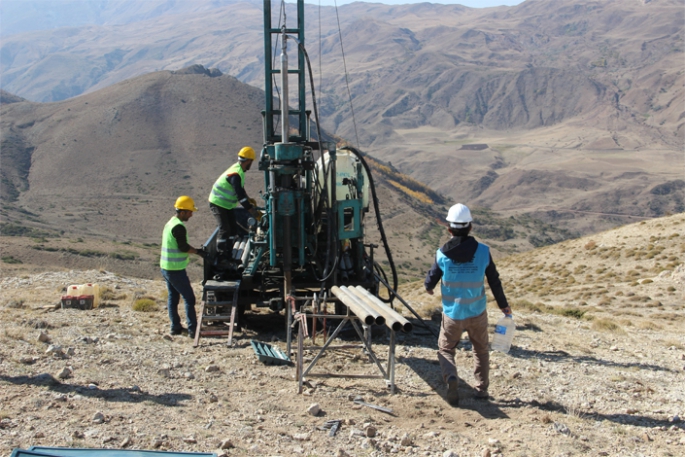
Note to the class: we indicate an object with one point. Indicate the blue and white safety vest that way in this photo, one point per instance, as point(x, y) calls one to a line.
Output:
point(463, 286)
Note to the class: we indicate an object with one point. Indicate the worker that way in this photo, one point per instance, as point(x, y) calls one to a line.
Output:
point(173, 262)
point(227, 192)
point(462, 264)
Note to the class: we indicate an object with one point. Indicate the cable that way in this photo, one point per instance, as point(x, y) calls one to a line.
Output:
point(333, 245)
point(347, 81)
point(372, 186)
point(320, 51)
point(331, 220)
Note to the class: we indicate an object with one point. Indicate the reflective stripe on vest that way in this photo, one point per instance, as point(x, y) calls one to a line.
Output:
point(223, 194)
point(463, 284)
point(171, 258)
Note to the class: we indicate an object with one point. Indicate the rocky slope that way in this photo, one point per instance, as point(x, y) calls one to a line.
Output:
point(606, 381)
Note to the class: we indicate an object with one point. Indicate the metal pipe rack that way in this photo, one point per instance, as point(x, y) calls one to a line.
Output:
point(355, 316)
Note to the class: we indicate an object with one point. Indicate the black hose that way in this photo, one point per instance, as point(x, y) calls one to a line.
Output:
point(377, 210)
point(332, 247)
point(381, 272)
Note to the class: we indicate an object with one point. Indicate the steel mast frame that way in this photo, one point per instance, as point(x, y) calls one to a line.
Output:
point(270, 136)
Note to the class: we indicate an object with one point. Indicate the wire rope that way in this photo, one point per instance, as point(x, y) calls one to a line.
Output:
point(347, 80)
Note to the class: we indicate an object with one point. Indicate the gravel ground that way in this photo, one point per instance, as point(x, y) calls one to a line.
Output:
point(606, 382)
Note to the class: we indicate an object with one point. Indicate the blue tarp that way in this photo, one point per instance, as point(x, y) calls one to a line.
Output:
point(41, 451)
point(25, 453)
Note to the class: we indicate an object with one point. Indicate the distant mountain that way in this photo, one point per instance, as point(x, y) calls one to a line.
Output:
point(109, 165)
point(117, 158)
point(21, 16)
point(6, 97)
point(580, 104)
point(532, 65)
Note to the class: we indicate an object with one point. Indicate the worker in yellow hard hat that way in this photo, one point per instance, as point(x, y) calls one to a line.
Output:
point(229, 191)
point(173, 261)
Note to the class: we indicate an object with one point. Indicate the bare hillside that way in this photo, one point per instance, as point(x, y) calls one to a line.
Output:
point(113, 162)
point(580, 104)
point(527, 66)
point(107, 166)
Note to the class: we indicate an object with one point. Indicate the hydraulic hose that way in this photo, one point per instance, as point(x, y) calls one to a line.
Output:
point(377, 210)
point(332, 247)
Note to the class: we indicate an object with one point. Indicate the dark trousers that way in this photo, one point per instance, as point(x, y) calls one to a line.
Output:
point(450, 335)
point(228, 227)
point(178, 285)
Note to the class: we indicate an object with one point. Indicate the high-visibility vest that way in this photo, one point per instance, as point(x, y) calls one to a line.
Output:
point(171, 257)
point(223, 194)
point(463, 286)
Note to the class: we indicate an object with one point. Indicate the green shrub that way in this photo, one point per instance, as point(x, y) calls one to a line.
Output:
point(571, 312)
point(20, 230)
point(123, 255)
point(108, 294)
point(144, 305)
point(10, 259)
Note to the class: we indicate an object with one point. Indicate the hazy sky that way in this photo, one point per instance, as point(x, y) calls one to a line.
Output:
point(469, 3)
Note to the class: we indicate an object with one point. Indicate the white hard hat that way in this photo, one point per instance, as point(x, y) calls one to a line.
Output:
point(459, 216)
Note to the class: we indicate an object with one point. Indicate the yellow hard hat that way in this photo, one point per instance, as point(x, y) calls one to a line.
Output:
point(185, 203)
point(246, 153)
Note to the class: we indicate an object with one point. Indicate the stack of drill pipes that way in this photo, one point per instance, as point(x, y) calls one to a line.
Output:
point(348, 301)
point(380, 320)
point(236, 244)
point(391, 321)
point(383, 309)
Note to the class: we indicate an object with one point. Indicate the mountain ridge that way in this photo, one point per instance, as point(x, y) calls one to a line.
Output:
point(565, 91)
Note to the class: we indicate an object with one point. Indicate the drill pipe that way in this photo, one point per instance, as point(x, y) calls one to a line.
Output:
point(348, 301)
point(391, 321)
point(241, 248)
point(389, 313)
point(380, 320)
point(236, 243)
point(246, 253)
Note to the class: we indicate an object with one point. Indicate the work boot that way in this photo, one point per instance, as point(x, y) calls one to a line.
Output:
point(453, 392)
point(481, 394)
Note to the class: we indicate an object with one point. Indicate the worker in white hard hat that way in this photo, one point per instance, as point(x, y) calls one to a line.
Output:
point(229, 191)
point(173, 261)
point(463, 264)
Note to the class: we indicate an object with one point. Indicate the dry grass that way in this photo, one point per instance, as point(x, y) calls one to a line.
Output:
point(673, 344)
point(144, 305)
point(14, 333)
point(648, 325)
point(539, 307)
point(606, 325)
point(108, 294)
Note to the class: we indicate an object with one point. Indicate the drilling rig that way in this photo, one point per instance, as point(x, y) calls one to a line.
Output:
point(309, 242)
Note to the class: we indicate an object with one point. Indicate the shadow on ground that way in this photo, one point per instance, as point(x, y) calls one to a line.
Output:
point(132, 395)
point(625, 419)
point(429, 371)
point(563, 356)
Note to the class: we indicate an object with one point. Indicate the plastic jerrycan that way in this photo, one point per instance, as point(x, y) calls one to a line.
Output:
point(94, 290)
point(96, 295)
point(87, 289)
point(504, 334)
point(74, 290)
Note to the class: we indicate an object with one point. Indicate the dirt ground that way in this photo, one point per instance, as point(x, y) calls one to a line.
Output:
point(573, 383)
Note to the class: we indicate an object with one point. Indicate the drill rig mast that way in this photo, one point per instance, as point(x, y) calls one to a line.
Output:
point(309, 243)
